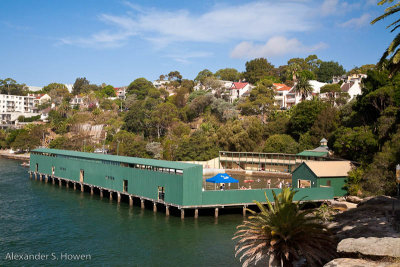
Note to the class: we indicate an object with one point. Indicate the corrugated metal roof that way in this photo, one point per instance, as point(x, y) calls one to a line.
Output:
point(330, 168)
point(133, 160)
point(312, 153)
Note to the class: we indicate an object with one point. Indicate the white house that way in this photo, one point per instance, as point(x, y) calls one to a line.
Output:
point(281, 90)
point(293, 98)
point(160, 84)
point(237, 90)
point(352, 88)
point(13, 106)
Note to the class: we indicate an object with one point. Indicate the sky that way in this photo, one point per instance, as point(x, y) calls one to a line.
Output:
point(115, 42)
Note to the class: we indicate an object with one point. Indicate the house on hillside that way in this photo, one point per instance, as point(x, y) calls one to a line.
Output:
point(237, 90)
point(353, 88)
point(160, 84)
point(40, 99)
point(293, 98)
point(120, 92)
point(281, 90)
point(322, 174)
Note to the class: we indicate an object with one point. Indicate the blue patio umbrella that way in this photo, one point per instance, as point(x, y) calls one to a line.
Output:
point(222, 178)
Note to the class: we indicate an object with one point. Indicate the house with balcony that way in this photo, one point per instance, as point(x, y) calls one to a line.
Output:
point(281, 90)
point(238, 90)
point(13, 106)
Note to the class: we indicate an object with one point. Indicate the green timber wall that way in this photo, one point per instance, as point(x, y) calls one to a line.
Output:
point(303, 173)
point(179, 189)
point(248, 196)
point(337, 184)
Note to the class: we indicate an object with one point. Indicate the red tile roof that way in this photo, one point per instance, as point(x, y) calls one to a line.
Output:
point(239, 85)
point(281, 87)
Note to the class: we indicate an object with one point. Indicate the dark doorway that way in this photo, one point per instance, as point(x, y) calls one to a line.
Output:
point(161, 193)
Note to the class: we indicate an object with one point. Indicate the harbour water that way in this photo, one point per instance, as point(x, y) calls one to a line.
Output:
point(62, 223)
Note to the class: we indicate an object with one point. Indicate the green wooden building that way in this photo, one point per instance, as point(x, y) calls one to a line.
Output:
point(322, 174)
point(168, 183)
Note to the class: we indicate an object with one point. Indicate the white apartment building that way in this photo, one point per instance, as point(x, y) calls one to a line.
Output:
point(13, 106)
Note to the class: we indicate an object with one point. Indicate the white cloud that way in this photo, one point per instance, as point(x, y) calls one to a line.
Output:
point(185, 57)
point(255, 21)
point(275, 46)
point(357, 22)
point(329, 7)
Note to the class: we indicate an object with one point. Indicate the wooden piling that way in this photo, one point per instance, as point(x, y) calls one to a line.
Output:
point(154, 207)
point(130, 201)
point(119, 197)
point(40, 177)
point(216, 213)
point(35, 175)
point(54, 180)
point(91, 190)
point(196, 213)
point(101, 193)
point(59, 182)
point(182, 214)
point(244, 210)
point(67, 184)
point(82, 187)
point(142, 203)
point(30, 175)
point(46, 178)
point(111, 195)
point(74, 186)
point(166, 210)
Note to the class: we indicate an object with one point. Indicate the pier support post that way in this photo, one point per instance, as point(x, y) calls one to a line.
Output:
point(130, 201)
point(216, 213)
point(154, 207)
point(166, 210)
point(196, 213)
point(110, 195)
point(67, 184)
point(119, 197)
point(54, 180)
point(82, 187)
point(91, 190)
point(35, 175)
point(46, 179)
point(101, 193)
point(40, 177)
point(142, 203)
point(30, 175)
point(244, 210)
point(59, 182)
point(74, 186)
point(182, 214)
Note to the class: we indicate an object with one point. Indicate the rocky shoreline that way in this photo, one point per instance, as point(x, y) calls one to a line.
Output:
point(367, 232)
point(8, 155)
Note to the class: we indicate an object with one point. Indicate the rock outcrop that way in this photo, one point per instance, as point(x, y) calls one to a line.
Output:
point(371, 246)
point(348, 262)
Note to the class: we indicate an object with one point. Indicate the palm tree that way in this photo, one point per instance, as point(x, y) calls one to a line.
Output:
point(392, 53)
point(284, 233)
point(303, 87)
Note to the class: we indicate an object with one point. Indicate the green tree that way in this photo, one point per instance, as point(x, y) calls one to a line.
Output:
point(202, 75)
point(199, 146)
point(328, 69)
point(257, 69)
point(60, 142)
point(282, 233)
point(51, 86)
point(281, 143)
point(391, 57)
point(11, 87)
point(108, 91)
point(140, 87)
point(358, 144)
point(303, 116)
point(303, 87)
point(174, 76)
point(79, 85)
point(228, 74)
point(128, 144)
point(261, 100)
point(162, 118)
